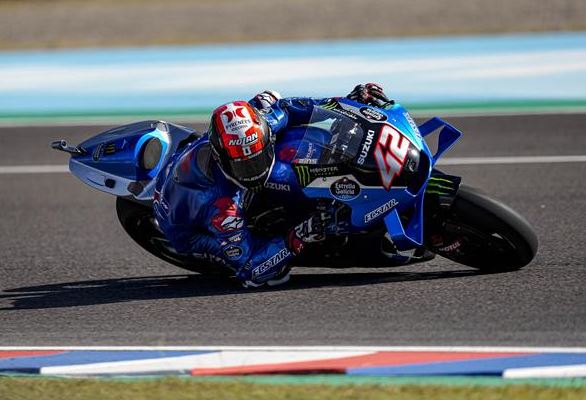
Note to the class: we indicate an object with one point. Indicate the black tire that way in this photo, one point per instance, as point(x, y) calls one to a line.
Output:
point(486, 234)
point(138, 221)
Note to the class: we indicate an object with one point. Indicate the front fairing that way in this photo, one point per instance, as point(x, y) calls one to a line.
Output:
point(355, 177)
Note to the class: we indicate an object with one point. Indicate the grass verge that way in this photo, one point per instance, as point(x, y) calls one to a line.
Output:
point(17, 388)
point(201, 115)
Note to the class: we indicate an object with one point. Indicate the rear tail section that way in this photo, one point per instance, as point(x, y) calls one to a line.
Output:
point(125, 160)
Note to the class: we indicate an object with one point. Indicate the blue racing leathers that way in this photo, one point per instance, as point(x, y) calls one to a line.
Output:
point(202, 213)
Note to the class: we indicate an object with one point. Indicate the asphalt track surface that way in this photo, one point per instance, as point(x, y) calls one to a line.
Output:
point(70, 276)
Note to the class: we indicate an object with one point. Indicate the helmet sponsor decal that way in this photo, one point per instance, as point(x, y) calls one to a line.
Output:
point(244, 141)
point(236, 118)
point(240, 129)
point(345, 189)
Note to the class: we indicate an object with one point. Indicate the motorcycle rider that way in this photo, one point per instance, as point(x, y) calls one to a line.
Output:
point(201, 197)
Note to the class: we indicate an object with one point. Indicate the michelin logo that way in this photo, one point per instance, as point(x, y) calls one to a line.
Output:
point(377, 212)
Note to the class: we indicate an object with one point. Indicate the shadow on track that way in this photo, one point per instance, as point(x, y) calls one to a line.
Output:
point(107, 291)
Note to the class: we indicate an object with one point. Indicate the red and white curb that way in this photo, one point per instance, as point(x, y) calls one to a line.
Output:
point(507, 362)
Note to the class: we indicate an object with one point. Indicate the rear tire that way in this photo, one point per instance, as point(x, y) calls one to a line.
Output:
point(484, 233)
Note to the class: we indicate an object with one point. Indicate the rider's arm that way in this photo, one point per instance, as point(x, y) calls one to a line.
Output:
point(219, 234)
point(289, 111)
point(252, 257)
point(299, 109)
point(203, 217)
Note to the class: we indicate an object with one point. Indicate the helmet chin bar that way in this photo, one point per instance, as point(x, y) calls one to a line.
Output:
point(237, 183)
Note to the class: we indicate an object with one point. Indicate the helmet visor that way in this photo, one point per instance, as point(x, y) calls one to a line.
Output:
point(253, 171)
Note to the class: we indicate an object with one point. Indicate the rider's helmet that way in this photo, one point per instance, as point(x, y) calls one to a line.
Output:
point(242, 144)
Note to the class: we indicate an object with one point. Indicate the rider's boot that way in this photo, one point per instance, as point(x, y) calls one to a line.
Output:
point(279, 279)
point(404, 257)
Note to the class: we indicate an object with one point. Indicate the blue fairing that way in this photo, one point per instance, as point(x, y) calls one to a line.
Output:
point(332, 149)
point(113, 161)
point(369, 201)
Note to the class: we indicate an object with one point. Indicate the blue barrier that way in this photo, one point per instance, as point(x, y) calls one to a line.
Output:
point(484, 69)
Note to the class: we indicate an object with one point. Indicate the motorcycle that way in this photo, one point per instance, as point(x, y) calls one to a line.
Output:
point(372, 166)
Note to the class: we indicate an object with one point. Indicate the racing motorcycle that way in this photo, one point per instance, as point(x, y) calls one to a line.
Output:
point(371, 166)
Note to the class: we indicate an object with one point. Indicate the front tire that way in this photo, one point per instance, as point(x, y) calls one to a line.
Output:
point(483, 233)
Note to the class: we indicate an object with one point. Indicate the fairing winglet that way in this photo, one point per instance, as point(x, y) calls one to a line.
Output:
point(447, 136)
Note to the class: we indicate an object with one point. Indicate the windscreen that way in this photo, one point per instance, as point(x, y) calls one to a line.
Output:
point(329, 138)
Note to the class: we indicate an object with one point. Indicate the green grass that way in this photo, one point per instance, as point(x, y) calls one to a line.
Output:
point(14, 388)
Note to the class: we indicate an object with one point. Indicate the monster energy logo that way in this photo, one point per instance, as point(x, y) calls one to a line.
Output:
point(306, 173)
point(330, 105)
point(303, 174)
point(333, 105)
point(440, 186)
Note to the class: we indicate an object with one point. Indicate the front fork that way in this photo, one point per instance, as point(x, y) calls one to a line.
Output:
point(440, 192)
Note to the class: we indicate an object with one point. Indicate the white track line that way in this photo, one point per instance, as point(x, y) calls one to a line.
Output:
point(511, 160)
point(52, 169)
point(479, 349)
point(33, 169)
point(562, 371)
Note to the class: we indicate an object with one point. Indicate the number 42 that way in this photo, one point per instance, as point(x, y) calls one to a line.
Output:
point(390, 153)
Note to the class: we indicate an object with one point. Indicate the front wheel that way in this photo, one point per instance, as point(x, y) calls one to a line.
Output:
point(483, 233)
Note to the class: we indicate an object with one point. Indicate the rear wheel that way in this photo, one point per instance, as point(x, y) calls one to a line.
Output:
point(139, 223)
point(484, 233)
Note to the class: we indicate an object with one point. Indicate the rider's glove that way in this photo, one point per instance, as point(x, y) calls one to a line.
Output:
point(371, 94)
point(311, 230)
point(264, 100)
